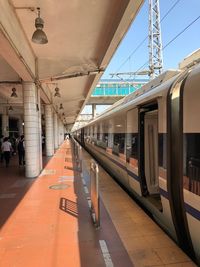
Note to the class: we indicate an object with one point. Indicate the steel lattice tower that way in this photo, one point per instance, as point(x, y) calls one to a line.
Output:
point(155, 43)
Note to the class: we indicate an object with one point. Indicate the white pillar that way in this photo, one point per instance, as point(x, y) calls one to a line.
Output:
point(60, 132)
point(101, 132)
point(31, 117)
point(93, 111)
point(40, 128)
point(55, 124)
point(49, 131)
point(59, 135)
point(62, 136)
point(110, 136)
point(5, 124)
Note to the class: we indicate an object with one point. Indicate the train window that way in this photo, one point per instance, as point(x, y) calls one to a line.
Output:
point(105, 138)
point(91, 131)
point(132, 137)
point(191, 139)
point(98, 132)
point(162, 150)
point(119, 143)
point(134, 145)
point(110, 140)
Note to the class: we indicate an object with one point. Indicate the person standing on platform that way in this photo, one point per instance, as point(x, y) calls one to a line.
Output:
point(1, 152)
point(21, 151)
point(6, 148)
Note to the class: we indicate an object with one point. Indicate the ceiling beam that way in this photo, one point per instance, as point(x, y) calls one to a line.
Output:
point(15, 48)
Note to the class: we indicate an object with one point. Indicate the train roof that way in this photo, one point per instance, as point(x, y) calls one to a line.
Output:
point(122, 103)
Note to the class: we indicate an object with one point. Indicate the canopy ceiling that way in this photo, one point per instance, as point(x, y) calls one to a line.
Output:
point(82, 37)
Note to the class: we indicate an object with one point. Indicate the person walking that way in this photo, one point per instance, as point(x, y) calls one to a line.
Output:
point(21, 151)
point(6, 148)
point(1, 152)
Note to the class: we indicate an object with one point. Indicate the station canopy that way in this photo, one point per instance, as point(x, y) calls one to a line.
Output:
point(82, 38)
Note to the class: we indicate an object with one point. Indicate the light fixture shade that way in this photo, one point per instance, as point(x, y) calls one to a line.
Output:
point(14, 94)
point(57, 93)
point(39, 37)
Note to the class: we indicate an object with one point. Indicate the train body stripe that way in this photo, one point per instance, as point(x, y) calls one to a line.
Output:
point(164, 193)
point(189, 209)
point(192, 211)
point(121, 166)
point(132, 174)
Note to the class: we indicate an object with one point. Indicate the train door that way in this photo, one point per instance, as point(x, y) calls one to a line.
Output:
point(182, 123)
point(151, 151)
point(132, 138)
point(148, 151)
point(191, 159)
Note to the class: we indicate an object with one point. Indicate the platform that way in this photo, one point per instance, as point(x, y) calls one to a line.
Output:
point(50, 223)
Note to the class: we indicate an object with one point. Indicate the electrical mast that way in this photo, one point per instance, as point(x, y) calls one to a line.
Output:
point(155, 43)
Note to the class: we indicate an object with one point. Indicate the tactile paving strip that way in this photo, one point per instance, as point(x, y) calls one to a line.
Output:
point(48, 172)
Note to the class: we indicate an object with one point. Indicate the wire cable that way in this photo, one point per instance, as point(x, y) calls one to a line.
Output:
point(173, 39)
point(141, 43)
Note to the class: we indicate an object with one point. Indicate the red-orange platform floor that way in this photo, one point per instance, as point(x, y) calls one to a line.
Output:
point(46, 221)
point(51, 226)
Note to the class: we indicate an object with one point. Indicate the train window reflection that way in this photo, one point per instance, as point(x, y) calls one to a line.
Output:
point(119, 142)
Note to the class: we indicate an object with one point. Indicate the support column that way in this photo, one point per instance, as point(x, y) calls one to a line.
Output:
point(5, 123)
point(40, 128)
point(59, 132)
point(58, 137)
point(49, 131)
point(20, 126)
point(63, 132)
point(110, 136)
point(31, 118)
point(55, 124)
point(101, 132)
point(93, 111)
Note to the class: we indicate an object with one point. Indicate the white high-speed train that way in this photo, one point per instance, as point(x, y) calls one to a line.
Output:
point(150, 141)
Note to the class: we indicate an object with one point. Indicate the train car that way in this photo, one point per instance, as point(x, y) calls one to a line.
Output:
point(150, 141)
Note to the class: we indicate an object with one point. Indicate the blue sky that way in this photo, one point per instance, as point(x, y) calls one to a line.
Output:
point(182, 15)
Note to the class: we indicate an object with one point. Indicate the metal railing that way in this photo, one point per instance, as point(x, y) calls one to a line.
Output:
point(77, 150)
point(94, 192)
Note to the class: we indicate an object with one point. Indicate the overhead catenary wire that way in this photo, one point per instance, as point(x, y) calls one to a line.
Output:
point(141, 43)
point(173, 39)
point(188, 26)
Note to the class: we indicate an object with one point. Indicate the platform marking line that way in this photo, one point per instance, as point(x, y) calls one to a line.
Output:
point(47, 172)
point(89, 203)
point(86, 190)
point(11, 195)
point(106, 254)
point(66, 178)
point(83, 181)
point(19, 183)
